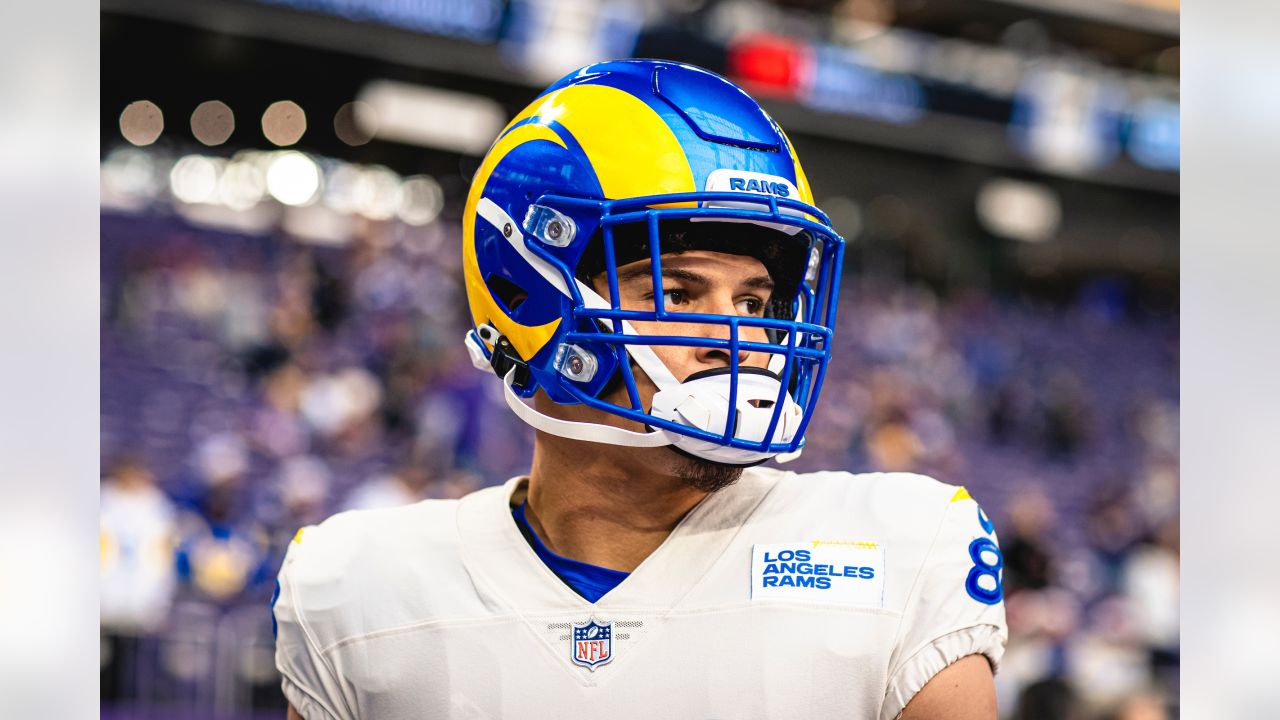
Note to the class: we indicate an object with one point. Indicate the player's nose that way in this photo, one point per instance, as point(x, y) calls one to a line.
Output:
point(714, 357)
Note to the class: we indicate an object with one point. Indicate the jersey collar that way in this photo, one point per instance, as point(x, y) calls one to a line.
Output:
point(504, 567)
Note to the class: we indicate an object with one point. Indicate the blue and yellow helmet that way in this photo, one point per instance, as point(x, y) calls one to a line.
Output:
point(585, 179)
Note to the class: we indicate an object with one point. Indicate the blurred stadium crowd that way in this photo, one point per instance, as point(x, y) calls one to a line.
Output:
point(254, 384)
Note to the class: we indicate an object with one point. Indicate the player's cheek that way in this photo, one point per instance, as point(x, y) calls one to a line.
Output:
point(645, 388)
point(752, 334)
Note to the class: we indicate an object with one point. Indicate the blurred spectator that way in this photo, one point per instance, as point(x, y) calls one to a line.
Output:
point(1049, 699)
point(1026, 542)
point(1113, 528)
point(1140, 706)
point(338, 406)
point(1150, 581)
point(1065, 418)
point(304, 483)
point(223, 550)
point(277, 428)
point(137, 535)
point(220, 559)
point(403, 487)
point(893, 445)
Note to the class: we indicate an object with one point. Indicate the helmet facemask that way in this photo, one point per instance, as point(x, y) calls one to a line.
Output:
point(736, 414)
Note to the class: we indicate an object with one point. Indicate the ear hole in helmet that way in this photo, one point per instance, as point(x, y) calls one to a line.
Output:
point(508, 294)
point(761, 404)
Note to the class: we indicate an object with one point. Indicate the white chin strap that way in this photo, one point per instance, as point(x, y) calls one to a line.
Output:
point(702, 403)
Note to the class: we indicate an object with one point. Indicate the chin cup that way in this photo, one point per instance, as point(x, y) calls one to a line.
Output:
point(702, 402)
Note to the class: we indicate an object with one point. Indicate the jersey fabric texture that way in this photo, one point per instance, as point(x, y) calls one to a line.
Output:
point(592, 582)
point(442, 609)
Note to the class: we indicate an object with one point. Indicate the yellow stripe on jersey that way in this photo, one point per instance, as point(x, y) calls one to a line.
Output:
point(961, 494)
point(297, 537)
point(864, 544)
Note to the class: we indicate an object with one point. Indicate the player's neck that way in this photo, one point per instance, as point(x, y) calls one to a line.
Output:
point(601, 504)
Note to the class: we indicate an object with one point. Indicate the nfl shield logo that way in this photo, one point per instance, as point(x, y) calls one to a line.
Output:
point(592, 644)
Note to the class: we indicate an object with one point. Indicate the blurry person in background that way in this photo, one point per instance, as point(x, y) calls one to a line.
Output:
point(221, 558)
point(1113, 528)
point(302, 484)
point(214, 476)
point(892, 445)
point(137, 536)
point(408, 484)
point(890, 442)
point(1065, 416)
point(1140, 706)
point(224, 547)
point(1028, 545)
point(1150, 580)
point(1049, 699)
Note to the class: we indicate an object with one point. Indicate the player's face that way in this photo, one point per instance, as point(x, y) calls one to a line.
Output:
point(697, 281)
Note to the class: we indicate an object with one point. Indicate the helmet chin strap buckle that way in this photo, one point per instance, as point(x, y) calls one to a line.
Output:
point(506, 362)
point(503, 359)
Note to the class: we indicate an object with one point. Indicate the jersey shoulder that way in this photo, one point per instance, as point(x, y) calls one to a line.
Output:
point(892, 504)
point(362, 571)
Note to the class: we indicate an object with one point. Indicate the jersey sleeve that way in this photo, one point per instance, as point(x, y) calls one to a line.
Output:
point(308, 679)
point(955, 607)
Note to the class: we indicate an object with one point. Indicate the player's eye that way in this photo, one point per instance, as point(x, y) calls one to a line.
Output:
point(750, 305)
point(674, 296)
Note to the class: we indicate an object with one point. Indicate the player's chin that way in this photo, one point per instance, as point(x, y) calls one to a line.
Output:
point(704, 475)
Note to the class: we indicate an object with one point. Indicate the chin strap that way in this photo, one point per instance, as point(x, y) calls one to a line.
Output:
point(607, 434)
point(591, 432)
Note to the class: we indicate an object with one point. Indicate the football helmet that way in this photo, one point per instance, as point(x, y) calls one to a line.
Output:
point(625, 162)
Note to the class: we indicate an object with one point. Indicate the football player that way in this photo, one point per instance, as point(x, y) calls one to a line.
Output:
point(652, 285)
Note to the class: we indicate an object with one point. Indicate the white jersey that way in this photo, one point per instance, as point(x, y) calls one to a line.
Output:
point(824, 595)
point(136, 530)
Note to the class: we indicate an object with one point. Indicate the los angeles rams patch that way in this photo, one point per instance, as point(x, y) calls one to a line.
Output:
point(840, 571)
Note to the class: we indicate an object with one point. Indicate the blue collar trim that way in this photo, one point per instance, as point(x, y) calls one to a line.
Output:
point(590, 581)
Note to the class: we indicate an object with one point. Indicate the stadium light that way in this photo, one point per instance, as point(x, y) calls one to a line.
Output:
point(212, 122)
point(293, 178)
point(379, 193)
point(141, 122)
point(1020, 210)
point(429, 117)
point(194, 178)
point(355, 123)
point(284, 123)
point(130, 179)
point(242, 184)
point(421, 200)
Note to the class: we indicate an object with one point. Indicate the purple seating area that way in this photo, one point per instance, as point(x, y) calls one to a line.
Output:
point(266, 384)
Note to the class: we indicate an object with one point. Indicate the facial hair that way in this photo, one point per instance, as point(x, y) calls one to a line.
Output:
point(705, 475)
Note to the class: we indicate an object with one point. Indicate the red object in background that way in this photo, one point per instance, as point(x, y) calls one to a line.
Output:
point(769, 64)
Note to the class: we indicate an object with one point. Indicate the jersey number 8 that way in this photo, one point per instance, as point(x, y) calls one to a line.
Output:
point(980, 551)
